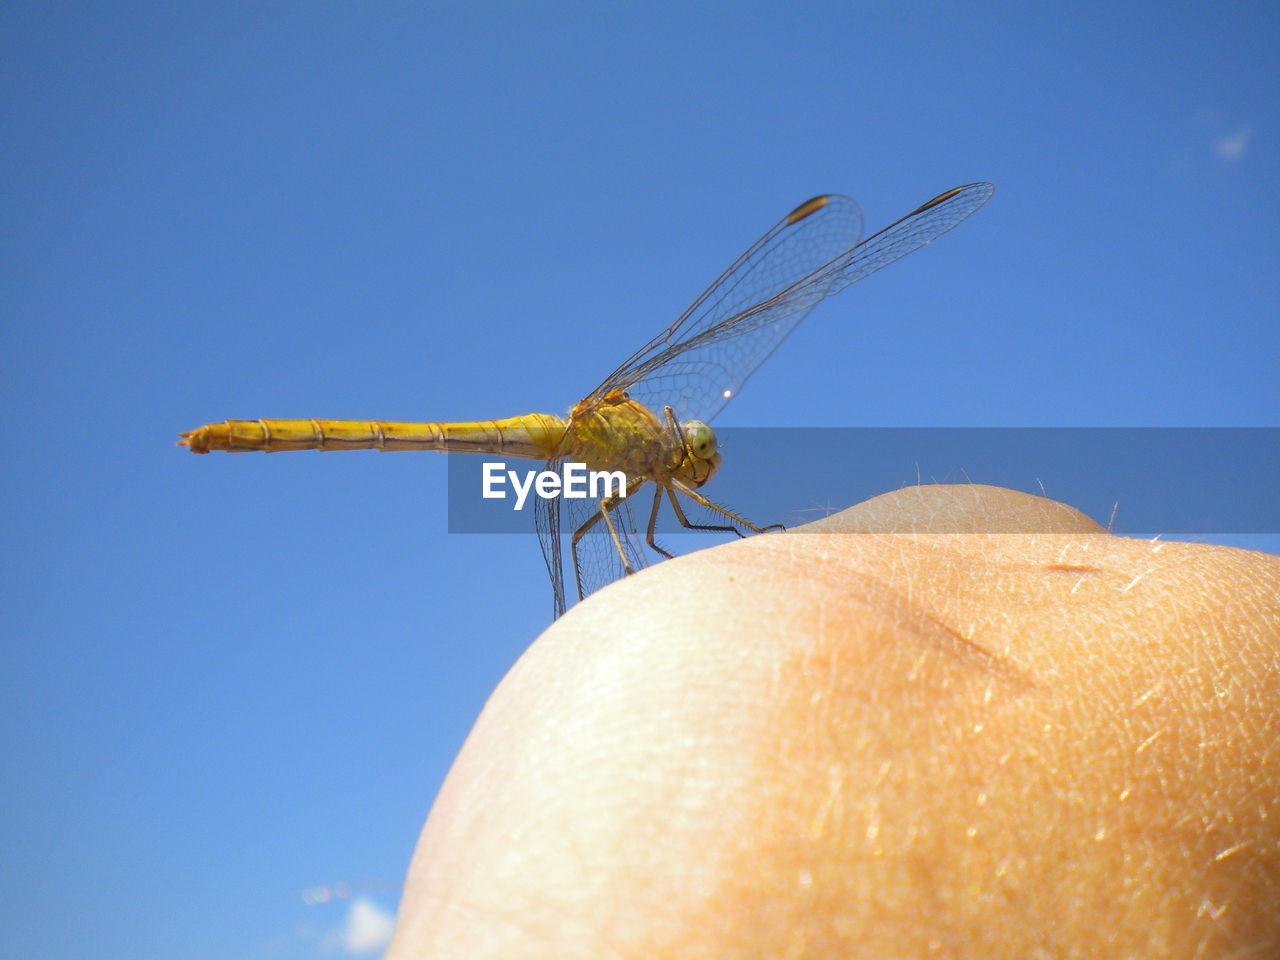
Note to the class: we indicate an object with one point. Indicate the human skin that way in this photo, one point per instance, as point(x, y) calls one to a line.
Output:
point(834, 743)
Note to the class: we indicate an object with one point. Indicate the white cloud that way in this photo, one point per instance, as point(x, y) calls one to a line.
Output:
point(368, 927)
point(1232, 146)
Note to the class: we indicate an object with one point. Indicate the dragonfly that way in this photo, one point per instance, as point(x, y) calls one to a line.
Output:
point(650, 418)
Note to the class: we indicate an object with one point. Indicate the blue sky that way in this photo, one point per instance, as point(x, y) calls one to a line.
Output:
point(232, 685)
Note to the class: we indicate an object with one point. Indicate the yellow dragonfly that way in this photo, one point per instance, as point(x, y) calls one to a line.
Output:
point(649, 417)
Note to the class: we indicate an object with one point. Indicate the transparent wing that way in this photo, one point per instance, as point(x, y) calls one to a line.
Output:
point(802, 242)
point(546, 516)
point(598, 559)
point(701, 361)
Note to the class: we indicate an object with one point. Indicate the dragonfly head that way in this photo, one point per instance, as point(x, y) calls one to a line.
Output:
point(700, 440)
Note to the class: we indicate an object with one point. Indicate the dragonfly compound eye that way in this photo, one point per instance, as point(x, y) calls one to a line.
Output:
point(700, 438)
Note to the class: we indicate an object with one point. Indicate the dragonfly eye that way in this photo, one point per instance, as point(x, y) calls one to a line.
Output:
point(700, 438)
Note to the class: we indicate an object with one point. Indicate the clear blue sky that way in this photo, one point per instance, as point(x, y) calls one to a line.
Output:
point(228, 680)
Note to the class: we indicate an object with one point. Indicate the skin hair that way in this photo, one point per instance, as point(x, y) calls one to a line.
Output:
point(937, 743)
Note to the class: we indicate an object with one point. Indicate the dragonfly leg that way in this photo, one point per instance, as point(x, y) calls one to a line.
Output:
point(695, 496)
point(673, 425)
point(653, 520)
point(689, 525)
point(607, 505)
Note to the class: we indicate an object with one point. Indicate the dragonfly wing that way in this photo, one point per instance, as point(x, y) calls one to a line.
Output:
point(919, 227)
point(802, 242)
point(701, 362)
point(546, 514)
point(698, 377)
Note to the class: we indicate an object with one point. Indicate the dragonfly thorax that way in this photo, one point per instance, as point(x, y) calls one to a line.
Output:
point(618, 433)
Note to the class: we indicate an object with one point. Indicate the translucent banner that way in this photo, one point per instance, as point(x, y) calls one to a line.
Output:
point(1141, 480)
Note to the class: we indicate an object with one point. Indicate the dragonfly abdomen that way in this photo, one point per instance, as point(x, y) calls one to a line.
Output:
point(533, 435)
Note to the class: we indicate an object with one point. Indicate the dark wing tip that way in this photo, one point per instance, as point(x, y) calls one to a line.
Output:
point(985, 189)
point(808, 207)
